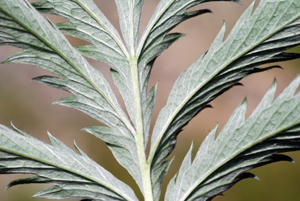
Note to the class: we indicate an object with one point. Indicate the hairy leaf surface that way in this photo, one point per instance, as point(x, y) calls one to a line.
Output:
point(45, 46)
point(73, 175)
point(155, 38)
point(255, 40)
point(103, 36)
point(154, 41)
point(89, 23)
point(48, 48)
point(272, 128)
point(259, 37)
point(130, 15)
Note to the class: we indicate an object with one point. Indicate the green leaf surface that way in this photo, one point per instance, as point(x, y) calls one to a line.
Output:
point(167, 15)
point(155, 39)
point(73, 175)
point(145, 64)
point(123, 148)
point(259, 37)
point(130, 16)
point(89, 23)
point(272, 128)
point(256, 39)
point(45, 46)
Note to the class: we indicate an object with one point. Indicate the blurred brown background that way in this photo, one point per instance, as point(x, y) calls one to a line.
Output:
point(28, 105)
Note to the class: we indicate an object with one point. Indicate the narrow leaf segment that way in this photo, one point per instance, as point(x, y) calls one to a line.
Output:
point(73, 175)
point(127, 145)
point(273, 127)
point(45, 46)
point(256, 39)
point(155, 39)
point(130, 16)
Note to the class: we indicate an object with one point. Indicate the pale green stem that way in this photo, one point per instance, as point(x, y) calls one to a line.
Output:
point(145, 167)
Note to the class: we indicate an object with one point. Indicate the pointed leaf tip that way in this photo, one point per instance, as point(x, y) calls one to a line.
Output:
point(79, 150)
point(246, 144)
point(197, 12)
point(28, 180)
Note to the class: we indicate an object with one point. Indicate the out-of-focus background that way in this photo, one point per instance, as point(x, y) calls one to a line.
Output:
point(28, 105)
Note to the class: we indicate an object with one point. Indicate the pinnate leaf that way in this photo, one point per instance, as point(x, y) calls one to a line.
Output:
point(241, 145)
point(45, 46)
point(73, 175)
point(256, 39)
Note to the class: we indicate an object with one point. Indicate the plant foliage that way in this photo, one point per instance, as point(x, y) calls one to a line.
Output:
point(259, 37)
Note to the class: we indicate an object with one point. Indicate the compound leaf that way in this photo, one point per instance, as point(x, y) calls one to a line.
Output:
point(73, 175)
point(46, 47)
point(89, 23)
point(256, 39)
point(273, 127)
